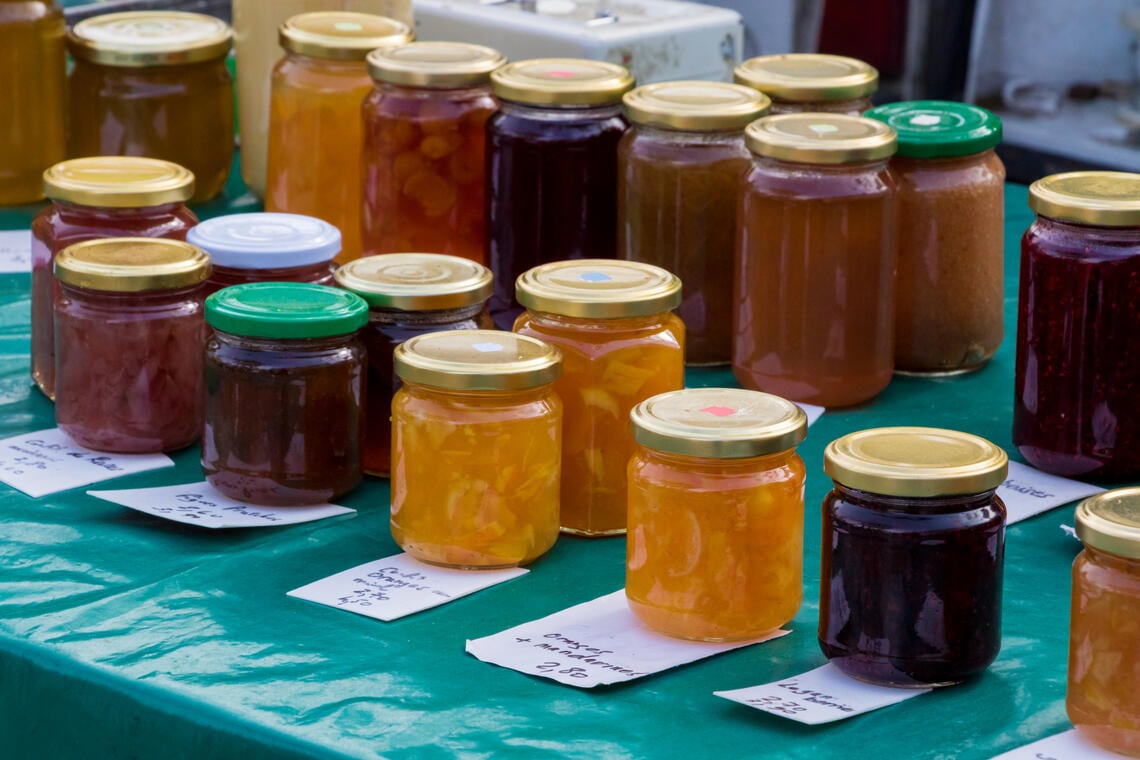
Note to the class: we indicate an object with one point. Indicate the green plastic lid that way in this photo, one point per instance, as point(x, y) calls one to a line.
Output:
point(286, 310)
point(939, 128)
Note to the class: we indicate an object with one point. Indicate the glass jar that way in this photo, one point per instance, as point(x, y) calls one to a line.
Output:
point(1103, 696)
point(811, 82)
point(679, 173)
point(621, 343)
point(1076, 412)
point(154, 84)
point(815, 267)
point(551, 168)
point(424, 135)
point(408, 294)
point(129, 337)
point(716, 513)
point(476, 448)
point(913, 542)
point(286, 355)
point(316, 96)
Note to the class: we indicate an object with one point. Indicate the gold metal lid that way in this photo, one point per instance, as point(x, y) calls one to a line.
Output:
point(1110, 522)
point(598, 289)
point(695, 105)
point(820, 138)
point(149, 38)
point(416, 281)
point(562, 82)
point(1106, 199)
point(435, 64)
point(915, 461)
point(341, 35)
point(719, 423)
point(477, 360)
point(131, 265)
point(808, 77)
point(118, 182)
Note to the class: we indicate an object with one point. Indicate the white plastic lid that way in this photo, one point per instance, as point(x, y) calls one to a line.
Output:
point(266, 240)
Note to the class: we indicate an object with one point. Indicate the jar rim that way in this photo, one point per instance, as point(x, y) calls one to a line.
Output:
point(808, 77)
point(820, 138)
point(118, 182)
point(416, 281)
point(1099, 198)
point(341, 35)
point(131, 264)
point(1110, 522)
point(434, 64)
point(695, 105)
point(266, 240)
point(599, 289)
point(136, 39)
point(477, 360)
point(562, 81)
point(285, 310)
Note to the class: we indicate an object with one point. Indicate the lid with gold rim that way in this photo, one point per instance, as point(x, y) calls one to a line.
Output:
point(915, 461)
point(477, 360)
point(808, 77)
point(1110, 522)
point(435, 64)
point(695, 105)
point(118, 182)
point(562, 82)
point(1106, 199)
point(599, 289)
point(132, 265)
point(820, 138)
point(149, 38)
point(341, 35)
point(718, 423)
point(416, 281)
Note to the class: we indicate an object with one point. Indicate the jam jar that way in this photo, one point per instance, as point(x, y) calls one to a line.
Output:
point(811, 82)
point(315, 100)
point(129, 337)
point(1103, 698)
point(476, 448)
point(716, 513)
point(98, 197)
point(551, 168)
point(913, 541)
point(949, 301)
point(408, 294)
point(620, 344)
point(680, 167)
point(154, 84)
point(815, 264)
point(1076, 405)
point(424, 136)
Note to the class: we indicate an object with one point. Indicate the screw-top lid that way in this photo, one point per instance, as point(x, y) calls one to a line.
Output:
point(808, 77)
point(341, 35)
point(435, 64)
point(118, 182)
point(562, 82)
point(1110, 522)
point(939, 128)
point(599, 289)
point(149, 38)
point(915, 461)
point(820, 138)
point(696, 106)
point(266, 240)
point(132, 265)
point(416, 281)
point(1105, 199)
point(477, 360)
point(286, 310)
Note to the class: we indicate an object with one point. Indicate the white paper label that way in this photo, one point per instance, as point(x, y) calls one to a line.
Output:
point(1028, 492)
point(200, 504)
point(47, 461)
point(1068, 745)
point(598, 642)
point(15, 251)
point(813, 412)
point(396, 586)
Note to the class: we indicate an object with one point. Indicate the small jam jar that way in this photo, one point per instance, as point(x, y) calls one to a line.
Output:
point(284, 392)
point(1076, 405)
point(1103, 698)
point(912, 551)
point(621, 343)
point(476, 448)
point(129, 337)
point(408, 294)
point(680, 167)
point(811, 82)
point(155, 84)
point(424, 137)
point(716, 513)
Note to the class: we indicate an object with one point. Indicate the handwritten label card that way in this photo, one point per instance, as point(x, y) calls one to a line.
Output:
point(15, 251)
point(396, 586)
point(813, 412)
point(1068, 745)
point(47, 461)
point(598, 642)
point(1028, 492)
point(199, 504)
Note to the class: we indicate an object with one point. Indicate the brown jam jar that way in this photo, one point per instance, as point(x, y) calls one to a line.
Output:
point(811, 82)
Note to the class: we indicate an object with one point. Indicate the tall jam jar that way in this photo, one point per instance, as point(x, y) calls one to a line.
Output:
point(154, 84)
point(913, 543)
point(129, 337)
point(551, 168)
point(99, 197)
point(1076, 411)
point(680, 167)
point(811, 82)
point(815, 264)
point(424, 137)
point(621, 343)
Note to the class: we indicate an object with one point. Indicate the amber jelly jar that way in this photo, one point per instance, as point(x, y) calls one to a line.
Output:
point(811, 82)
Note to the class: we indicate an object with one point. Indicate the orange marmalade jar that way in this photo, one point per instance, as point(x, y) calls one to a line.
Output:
point(621, 344)
point(811, 82)
point(716, 513)
point(476, 448)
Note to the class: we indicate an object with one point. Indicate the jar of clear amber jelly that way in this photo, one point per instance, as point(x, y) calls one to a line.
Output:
point(315, 100)
point(815, 267)
point(811, 82)
point(424, 136)
point(476, 448)
point(408, 294)
point(129, 336)
point(913, 542)
point(621, 343)
point(154, 84)
point(679, 172)
point(716, 513)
